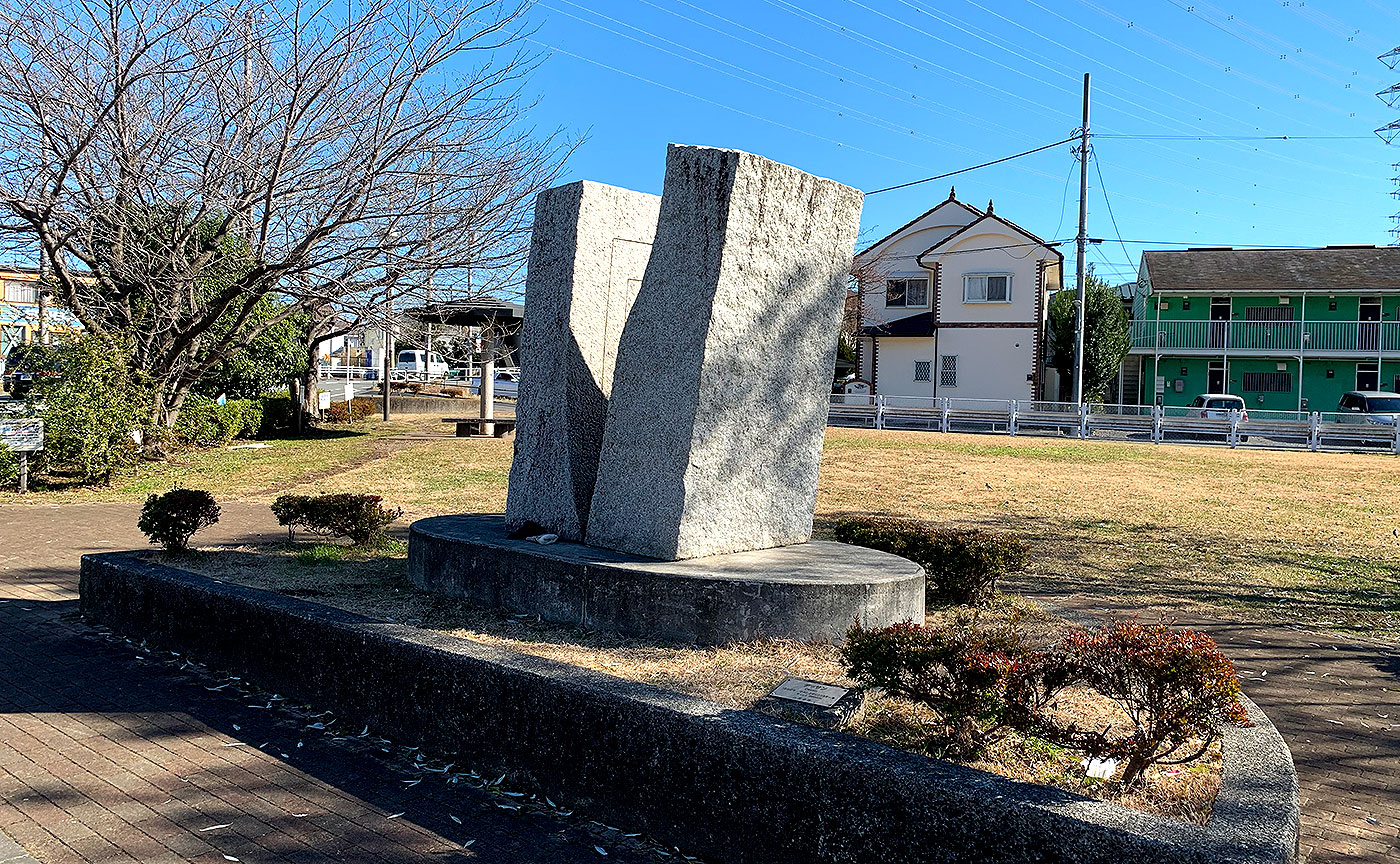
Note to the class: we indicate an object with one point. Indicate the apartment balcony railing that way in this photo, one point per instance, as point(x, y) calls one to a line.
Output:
point(1285, 337)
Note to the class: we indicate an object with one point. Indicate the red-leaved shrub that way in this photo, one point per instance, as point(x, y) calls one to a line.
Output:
point(349, 412)
point(982, 681)
point(1175, 686)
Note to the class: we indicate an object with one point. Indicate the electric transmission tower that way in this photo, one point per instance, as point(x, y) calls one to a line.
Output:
point(1389, 132)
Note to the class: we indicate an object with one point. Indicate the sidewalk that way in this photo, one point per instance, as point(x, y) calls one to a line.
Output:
point(110, 754)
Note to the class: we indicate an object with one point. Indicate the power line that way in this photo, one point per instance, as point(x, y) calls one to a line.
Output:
point(885, 88)
point(1237, 137)
point(972, 168)
point(1098, 169)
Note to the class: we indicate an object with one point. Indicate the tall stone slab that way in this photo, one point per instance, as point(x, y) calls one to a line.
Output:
point(719, 399)
point(588, 251)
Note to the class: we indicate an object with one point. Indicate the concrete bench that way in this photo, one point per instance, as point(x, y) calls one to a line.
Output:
point(470, 427)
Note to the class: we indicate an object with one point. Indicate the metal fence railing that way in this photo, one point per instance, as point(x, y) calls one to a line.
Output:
point(1292, 337)
point(1157, 424)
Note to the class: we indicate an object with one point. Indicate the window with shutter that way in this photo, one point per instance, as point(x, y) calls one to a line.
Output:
point(948, 371)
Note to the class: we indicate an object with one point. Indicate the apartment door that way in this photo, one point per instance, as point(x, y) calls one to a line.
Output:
point(1216, 377)
point(1219, 323)
point(1368, 332)
point(1368, 377)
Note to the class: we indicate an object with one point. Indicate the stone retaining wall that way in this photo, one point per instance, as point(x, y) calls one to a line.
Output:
point(729, 785)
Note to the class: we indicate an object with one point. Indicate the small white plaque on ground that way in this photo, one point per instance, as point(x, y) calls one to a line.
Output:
point(811, 692)
point(22, 436)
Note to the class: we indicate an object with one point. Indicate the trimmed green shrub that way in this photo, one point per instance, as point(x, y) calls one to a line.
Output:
point(1175, 685)
point(275, 415)
point(983, 681)
point(362, 518)
point(962, 565)
point(173, 518)
point(203, 422)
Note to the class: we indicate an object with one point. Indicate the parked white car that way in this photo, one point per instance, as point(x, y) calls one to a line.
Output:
point(1217, 406)
point(420, 365)
point(505, 383)
point(1369, 407)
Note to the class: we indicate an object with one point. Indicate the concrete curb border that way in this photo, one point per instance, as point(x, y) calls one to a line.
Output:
point(731, 785)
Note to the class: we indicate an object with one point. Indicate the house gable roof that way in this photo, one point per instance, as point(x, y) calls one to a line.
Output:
point(951, 200)
point(1354, 268)
point(991, 216)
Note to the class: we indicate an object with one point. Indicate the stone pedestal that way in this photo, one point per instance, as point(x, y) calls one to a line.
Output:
point(719, 398)
point(810, 592)
point(588, 251)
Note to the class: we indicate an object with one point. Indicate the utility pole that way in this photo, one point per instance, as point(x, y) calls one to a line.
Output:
point(1082, 242)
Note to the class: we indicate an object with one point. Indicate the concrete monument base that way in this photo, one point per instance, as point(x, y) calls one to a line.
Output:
point(809, 592)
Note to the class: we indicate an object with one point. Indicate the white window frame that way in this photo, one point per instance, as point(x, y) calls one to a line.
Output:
point(944, 368)
point(907, 277)
point(967, 284)
point(13, 287)
point(928, 370)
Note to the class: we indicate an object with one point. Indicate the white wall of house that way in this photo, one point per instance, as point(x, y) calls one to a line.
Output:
point(897, 257)
point(898, 359)
point(993, 362)
point(970, 256)
point(958, 248)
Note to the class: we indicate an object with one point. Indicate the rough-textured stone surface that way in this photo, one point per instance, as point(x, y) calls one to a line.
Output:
point(733, 786)
point(588, 251)
point(718, 407)
point(809, 592)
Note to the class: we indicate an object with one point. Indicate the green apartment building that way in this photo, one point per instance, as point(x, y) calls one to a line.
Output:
point(1287, 329)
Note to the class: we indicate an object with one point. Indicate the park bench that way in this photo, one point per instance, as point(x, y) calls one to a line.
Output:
point(470, 427)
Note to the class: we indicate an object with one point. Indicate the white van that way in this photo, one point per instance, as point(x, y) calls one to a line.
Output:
point(412, 364)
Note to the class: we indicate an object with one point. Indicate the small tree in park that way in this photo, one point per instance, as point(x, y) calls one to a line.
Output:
point(1106, 338)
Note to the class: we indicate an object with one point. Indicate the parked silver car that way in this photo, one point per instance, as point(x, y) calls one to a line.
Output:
point(505, 383)
point(1369, 407)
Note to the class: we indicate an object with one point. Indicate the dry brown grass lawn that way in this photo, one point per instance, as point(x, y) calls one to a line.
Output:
point(1260, 536)
point(1269, 537)
point(1306, 538)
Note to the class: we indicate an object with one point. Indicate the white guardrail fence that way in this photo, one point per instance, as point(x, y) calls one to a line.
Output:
point(1157, 424)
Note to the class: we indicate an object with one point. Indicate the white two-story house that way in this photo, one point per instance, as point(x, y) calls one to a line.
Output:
point(955, 304)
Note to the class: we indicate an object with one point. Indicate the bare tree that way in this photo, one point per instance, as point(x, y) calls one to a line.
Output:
point(180, 161)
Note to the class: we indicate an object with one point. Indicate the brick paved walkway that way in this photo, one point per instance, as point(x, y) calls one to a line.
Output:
point(110, 754)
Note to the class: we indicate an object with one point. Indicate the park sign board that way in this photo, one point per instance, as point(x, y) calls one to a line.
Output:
point(22, 436)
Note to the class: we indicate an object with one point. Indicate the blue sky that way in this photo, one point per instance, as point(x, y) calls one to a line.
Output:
point(879, 92)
